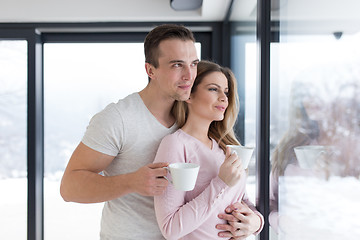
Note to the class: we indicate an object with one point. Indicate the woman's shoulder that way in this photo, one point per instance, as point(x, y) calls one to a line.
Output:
point(171, 148)
point(176, 137)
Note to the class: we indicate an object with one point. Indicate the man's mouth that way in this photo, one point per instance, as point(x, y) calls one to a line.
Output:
point(185, 87)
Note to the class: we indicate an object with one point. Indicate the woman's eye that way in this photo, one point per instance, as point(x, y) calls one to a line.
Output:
point(212, 89)
point(226, 94)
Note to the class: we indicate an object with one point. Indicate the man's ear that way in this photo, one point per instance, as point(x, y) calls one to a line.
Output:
point(149, 70)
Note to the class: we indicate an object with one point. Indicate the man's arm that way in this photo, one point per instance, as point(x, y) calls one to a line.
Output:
point(243, 222)
point(82, 182)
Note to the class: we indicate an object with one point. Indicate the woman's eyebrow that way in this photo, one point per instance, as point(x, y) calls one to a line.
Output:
point(216, 85)
point(213, 84)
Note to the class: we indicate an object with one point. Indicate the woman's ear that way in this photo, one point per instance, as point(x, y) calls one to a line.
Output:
point(188, 101)
point(149, 70)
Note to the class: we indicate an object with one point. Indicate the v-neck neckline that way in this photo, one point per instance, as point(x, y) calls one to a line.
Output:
point(203, 144)
point(152, 115)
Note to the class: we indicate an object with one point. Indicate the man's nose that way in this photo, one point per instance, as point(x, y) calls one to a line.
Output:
point(187, 73)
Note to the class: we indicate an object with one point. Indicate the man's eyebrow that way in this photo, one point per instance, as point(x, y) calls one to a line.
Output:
point(176, 61)
point(182, 61)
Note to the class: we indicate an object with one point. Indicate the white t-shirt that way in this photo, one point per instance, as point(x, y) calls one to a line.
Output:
point(128, 131)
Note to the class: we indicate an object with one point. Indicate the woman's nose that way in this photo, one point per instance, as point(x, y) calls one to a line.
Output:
point(223, 97)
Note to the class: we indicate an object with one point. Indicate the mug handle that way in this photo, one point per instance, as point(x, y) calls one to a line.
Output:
point(168, 170)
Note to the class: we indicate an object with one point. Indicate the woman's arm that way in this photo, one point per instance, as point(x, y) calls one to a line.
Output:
point(175, 216)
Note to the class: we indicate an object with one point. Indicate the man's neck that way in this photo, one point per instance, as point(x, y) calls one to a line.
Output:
point(159, 105)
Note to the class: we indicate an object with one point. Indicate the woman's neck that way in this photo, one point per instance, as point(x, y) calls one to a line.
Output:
point(199, 130)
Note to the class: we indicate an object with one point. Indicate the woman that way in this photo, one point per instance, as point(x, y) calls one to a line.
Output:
point(206, 123)
point(305, 112)
point(317, 117)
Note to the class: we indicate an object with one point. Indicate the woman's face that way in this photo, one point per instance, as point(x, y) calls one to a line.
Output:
point(315, 108)
point(209, 101)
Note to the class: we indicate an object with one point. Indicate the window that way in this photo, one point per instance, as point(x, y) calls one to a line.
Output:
point(244, 68)
point(80, 79)
point(13, 138)
point(315, 130)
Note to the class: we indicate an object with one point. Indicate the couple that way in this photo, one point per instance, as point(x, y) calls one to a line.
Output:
point(122, 140)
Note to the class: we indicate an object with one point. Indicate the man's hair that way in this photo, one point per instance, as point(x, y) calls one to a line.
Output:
point(161, 33)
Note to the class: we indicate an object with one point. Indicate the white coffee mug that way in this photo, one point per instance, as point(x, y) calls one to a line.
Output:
point(244, 153)
point(183, 175)
point(311, 156)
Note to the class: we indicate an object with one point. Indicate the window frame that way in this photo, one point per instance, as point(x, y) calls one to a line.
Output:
point(36, 34)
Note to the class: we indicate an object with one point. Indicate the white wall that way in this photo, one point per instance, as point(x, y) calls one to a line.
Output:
point(106, 10)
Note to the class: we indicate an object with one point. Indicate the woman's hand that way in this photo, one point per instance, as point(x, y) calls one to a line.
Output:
point(242, 222)
point(230, 170)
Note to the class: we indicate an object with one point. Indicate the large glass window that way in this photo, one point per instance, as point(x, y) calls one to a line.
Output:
point(315, 125)
point(244, 68)
point(80, 79)
point(314, 118)
point(13, 139)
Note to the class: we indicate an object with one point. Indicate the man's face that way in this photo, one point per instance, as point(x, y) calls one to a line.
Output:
point(176, 70)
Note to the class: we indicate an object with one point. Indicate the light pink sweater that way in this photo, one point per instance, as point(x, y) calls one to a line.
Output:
point(193, 214)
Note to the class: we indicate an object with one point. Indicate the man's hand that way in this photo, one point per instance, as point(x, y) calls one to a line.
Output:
point(242, 222)
point(148, 180)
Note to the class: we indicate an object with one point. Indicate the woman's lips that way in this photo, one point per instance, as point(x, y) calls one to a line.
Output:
point(221, 108)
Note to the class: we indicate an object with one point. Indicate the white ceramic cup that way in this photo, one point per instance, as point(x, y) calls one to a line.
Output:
point(183, 175)
point(244, 153)
point(311, 156)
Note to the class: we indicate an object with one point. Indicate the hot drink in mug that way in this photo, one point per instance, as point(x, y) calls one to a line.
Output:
point(183, 175)
point(312, 156)
point(244, 153)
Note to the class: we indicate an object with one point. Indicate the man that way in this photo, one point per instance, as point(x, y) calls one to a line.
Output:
point(121, 141)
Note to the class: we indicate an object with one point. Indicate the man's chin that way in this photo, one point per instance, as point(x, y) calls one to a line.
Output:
point(182, 97)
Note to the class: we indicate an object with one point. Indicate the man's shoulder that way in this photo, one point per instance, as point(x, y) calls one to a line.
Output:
point(130, 100)
point(130, 103)
point(116, 110)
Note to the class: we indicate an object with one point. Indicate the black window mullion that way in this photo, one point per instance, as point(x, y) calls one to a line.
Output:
point(35, 143)
point(35, 126)
point(263, 112)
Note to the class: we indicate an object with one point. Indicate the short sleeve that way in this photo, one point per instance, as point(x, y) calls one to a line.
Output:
point(105, 131)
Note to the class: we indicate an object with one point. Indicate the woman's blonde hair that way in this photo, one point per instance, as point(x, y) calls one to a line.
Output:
point(301, 131)
point(222, 131)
